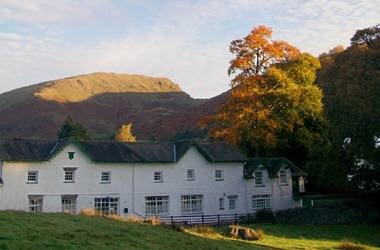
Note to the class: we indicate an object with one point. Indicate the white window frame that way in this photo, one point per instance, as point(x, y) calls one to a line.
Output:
point(107, 206)
point(232, 202)
point(283, 178)
point(29, 178)
point(191, 203)
point(221, 203)
point(104, 180)
point(262, 201)
point(66, 178)
point(156, 205)
point(261, 182)
point(158, 177)
point(219, 175)
point(69, 204)
point(190, 175)
point(35, 203)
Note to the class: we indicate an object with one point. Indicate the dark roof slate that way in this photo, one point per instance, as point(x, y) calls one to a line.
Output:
point(112, 151)
point(25, 150)
point(272, 165)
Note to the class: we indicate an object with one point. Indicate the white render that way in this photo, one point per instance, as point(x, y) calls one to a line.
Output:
point(132, 182)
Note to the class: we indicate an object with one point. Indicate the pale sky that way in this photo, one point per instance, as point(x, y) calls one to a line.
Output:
point(186, 41)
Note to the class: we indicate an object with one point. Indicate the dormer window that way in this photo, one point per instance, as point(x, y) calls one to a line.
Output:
point(259, 178)
point(282, 177)
point(71, 155)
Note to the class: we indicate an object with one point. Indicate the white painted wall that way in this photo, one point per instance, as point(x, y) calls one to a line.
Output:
point(132, 182)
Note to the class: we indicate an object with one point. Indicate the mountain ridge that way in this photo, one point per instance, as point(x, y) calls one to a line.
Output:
point(102, 102)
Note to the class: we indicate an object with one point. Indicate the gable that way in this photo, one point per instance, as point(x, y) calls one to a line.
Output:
point(113, 151)
point(272, 165)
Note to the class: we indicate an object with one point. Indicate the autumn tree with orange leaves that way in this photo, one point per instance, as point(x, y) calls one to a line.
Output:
point(274, 101)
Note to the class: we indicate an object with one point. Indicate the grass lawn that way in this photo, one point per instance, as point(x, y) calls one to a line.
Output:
point(320, 236)
point(20, 230)
point(315, 236)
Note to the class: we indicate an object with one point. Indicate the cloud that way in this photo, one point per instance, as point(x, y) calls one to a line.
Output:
point(186, 41)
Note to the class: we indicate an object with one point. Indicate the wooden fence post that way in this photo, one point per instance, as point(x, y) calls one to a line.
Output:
point(218, 220)
point(171, 220)
point(203, 220)
point(236, 219)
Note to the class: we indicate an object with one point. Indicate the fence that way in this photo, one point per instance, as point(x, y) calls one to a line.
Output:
point(213, 219)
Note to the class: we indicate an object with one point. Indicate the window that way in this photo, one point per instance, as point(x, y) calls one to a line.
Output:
point(219, 175)
point(232, 202)
point(191, 203)
point(259, 178)
point(32, 177)
point(221, 203)
point(156, 205)
point(69, 204)
point(301, 184)
point(35, 204)
point(158, 177)
point(107, 205)
point(261, 201)
point(190, 175)
point(283, 179)
point(69, 175)
point(106, 177)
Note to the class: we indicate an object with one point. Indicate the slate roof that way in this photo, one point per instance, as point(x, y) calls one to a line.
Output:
point(272, 165)
point(112, 151)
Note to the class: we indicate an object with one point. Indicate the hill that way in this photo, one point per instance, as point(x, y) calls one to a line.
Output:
point(102, 102)
point(19, 230)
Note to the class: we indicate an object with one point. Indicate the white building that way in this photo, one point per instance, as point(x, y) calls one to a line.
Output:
point(141, 178)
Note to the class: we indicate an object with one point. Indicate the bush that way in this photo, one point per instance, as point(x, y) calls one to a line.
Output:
point(326, 215)
point(264, 216)
point(348, 245)
point(202, 229)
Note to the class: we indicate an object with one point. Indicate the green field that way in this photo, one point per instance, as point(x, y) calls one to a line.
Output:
point(58, 231)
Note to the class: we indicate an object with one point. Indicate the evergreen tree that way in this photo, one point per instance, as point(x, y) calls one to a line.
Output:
point(71, 129)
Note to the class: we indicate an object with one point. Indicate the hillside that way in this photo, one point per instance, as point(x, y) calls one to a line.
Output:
point(157, 107)
point(20, 230)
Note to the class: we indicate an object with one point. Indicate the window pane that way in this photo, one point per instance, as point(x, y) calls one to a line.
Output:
point(69, 204)
point(156, 205)
point(107, 205)
point(191, 203)
point(261, 201)
point(258, 177)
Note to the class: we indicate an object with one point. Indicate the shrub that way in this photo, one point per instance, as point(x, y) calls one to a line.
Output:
point(264, 216)
point(89, 212)
point(325, 215)
point(153, 220)
point(203, 229)
point(348, 245)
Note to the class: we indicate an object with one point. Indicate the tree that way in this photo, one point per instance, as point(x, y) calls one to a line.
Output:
point(124, 133)
point(256, 53)
point(71, 129)
point(368, 37)
point(350, 81)
point(274, 101)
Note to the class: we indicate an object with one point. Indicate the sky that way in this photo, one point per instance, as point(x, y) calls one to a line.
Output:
point(186, 41)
